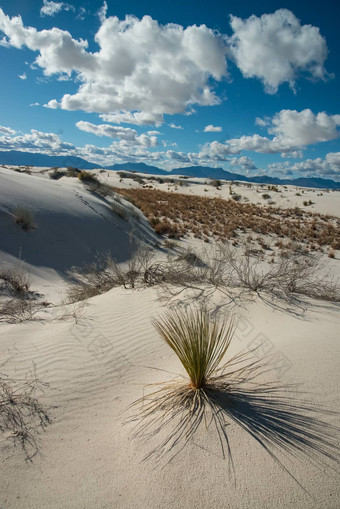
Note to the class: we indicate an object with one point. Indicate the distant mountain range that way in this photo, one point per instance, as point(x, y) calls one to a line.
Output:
point(27, 158)
point(18, 158)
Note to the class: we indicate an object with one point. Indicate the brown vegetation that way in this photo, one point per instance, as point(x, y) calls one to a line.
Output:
point(176, 214)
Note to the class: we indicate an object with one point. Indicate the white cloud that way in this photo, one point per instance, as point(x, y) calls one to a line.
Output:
point(243, 162)
point(81, 13)
point(6, 130)
point(329, 167)
point(212, 129)
point(181, 157)
point(141, 66)
point(121, 133)
point(262, 122)
point(304, 128)
point(22, 76)
point(276, 48)
point(50, 8)
point(293, 131)
point(36, 141)
point(175, 126)
point(53, 104)
point(136, 118)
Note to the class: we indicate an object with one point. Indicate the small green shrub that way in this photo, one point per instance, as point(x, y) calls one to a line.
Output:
point(199, 343)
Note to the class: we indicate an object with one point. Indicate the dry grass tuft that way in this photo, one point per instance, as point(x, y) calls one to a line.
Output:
point(24, 218)
point(21, 414)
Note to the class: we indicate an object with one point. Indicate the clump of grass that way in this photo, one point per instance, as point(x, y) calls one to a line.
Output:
point(24, 218)
point(199, 344)
point(120, 210)
point(86, 177)
point(21, 414)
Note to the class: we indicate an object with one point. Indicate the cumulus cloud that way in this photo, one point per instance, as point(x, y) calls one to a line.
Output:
point(262, 122)
point(22, 76)
point(181, 157)
point(276, 48)
point(122, 133)
point(175, 126)
point(212, 129)
point(6, 131)
point(141, 66)
point(329, 167)
point(36, 141)
point(50, 8)
point(243, 162)
point(292, 130)
point(304, 128)
point(136, 118)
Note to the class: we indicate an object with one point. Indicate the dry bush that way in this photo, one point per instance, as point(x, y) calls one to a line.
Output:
point(120, 210)
point(56, 174)
point(21, 414)
point(17, 301)
point(24, 218)
point(18, 310)
point(14, 281)
point(96, 187)
point(221, 268)
point(105, 273)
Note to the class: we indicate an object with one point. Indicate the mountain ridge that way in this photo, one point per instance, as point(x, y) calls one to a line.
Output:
point(20, 158)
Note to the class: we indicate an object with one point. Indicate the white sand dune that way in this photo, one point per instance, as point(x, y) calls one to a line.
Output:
point(97, 365)
point(72, 226)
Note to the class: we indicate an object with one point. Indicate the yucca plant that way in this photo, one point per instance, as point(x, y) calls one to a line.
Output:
point(199, 343)
point(183, 403)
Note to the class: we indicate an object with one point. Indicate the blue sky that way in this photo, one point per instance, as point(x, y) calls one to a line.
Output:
point(252, 87)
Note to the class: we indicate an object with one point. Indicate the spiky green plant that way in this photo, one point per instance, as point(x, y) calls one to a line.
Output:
point(199, 343)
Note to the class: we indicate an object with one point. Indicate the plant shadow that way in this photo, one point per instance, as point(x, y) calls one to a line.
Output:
point(274, 415)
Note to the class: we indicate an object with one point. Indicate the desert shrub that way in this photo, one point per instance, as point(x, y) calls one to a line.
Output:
point(104, 273)
point(24, 218)
point(17, 302)
point(21, 414)
point(163, 227)
point(236, 197)
point(85, 176)
point(14, 281)
point(266, 196)
point(56, 174)
point(199, 343)
point(72, 172)
point(216, 183)
point(120, 210)
point(16, 309)
point(98, 188)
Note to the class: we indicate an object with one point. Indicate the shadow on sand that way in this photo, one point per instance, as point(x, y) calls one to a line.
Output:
point(275, 416)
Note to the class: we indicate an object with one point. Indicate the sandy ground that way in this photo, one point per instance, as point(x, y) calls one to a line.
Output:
point(100, 360)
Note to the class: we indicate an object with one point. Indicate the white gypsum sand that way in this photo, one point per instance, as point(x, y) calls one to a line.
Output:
point(99, 358)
